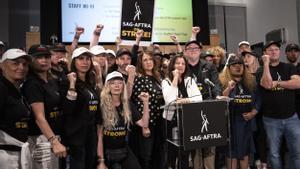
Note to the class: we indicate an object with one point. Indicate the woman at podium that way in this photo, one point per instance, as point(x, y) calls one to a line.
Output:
point(239, 84)
point(178, 87)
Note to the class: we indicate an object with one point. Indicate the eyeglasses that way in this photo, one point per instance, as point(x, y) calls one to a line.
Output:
point(193, 49)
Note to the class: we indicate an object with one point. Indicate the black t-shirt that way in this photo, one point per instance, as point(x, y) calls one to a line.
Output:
point(114, 67)
point(242, 100)
point(81, 115)
point(182, 90)
point(298, 93)
point(278, 102)
point(14, 111)
point(194, 69)
point(37, 90)
point(124, 76)
point(116, 137)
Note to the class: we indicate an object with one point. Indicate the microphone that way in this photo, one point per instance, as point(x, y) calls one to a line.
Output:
point(208, 82)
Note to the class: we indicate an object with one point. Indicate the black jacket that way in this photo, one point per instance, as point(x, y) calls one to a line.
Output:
point(206, 70)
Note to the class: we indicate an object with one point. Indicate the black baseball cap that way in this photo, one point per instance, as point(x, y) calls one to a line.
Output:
point(235, 59)
point(123, 51)
point(165, 56)
point(157, 53)
point(251, 53)
point(193, 41)
point(292, 46)
point(268, 44)
point(59, 47)
point(208, 53)
point(39, 50)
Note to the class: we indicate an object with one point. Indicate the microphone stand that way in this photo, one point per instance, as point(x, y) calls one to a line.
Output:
point(228, 114)
point(209, 93)
point(180, 141)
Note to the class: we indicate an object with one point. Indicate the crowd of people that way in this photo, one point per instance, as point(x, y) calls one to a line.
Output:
point(109, 109)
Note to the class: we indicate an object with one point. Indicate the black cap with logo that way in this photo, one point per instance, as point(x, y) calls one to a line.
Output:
point(39, 50)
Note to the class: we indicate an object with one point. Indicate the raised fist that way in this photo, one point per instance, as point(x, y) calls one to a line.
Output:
point(99, 28)
point(139, 33)
point(196, 29)
point(130, 69)
point(72, 78)
point(266, 59)
point(79, 30)
point(231, 84)
point(144, 96)
point(174, 38)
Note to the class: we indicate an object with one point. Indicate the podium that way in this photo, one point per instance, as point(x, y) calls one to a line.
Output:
point(201, 124)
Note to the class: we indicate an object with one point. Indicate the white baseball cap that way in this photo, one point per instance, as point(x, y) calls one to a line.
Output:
point(109, 51)
point(81, 50)
point(14, 54)
point(244, 43)
point(114, 75)
point(97, 50)
point(1, 43)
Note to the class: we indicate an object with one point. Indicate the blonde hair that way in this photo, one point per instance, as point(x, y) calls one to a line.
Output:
point(253, 66)
point(217, 51)
point(247, 79)
point(109, 112)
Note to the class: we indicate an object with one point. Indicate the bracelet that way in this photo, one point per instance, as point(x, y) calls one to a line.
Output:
point(77, 37)
point(278, 84)
point(96, 33)
point(52, 138)
point(101, 159)
point(72, 89)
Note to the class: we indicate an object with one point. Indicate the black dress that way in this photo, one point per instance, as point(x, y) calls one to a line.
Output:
point(241, 130)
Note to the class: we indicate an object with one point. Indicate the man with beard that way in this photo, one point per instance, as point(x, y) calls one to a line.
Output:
point(292, 52)
point(243, 46)
point(277, 83)
point(123, 61)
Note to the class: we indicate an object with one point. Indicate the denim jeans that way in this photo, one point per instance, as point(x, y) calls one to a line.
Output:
point(290, 129)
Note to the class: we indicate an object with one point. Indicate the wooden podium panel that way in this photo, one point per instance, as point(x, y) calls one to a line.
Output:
point(32, 38)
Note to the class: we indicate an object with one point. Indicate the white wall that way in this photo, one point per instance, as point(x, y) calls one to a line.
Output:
point(266, 15)
point(228, 2)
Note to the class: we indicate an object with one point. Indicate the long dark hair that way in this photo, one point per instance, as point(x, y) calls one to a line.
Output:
point(140, 69)
point(32, 71)
point(186, 72)
point(90, 76)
